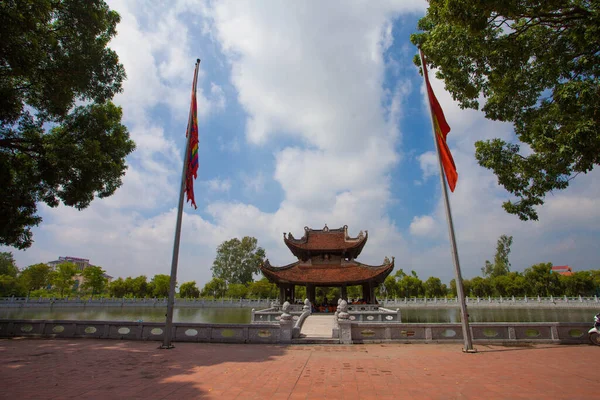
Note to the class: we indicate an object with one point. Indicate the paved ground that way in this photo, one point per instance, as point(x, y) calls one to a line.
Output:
point(318, 326)
point(106, 369)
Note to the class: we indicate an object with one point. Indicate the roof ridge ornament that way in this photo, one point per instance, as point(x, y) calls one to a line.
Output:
point(326, 228)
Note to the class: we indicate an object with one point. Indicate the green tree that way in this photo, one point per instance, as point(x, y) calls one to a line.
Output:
point(581, 283)
point(480, 287)
point(35, 277)
point(61, 137)
point(300, 292)
point(536, 63)
point(391, 287)
point(62, 277)
point(433, 287)
point(117, 288)
point(160, 285)
point(236, 291)
point(409, 285)
point(189, 290)
point(501, 265)
point(238, 260)
point(7, 265)
point(354, 292)
point(263, 289)
point(216, 287)
point(10, 285)
point(94, 279)
point(138, 287)
point(467, 287)
point(541, 280)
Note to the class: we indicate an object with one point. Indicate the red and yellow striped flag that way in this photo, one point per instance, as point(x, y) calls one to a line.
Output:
point(192, 156)
point(441, 131)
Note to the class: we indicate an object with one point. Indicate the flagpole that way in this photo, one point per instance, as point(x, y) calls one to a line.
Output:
point(171, 302)
point(459, 281)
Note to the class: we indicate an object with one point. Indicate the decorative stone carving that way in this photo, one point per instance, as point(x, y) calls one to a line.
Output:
point(306, 306)
point(325, 228)
point(343, 310)
point(286, 316)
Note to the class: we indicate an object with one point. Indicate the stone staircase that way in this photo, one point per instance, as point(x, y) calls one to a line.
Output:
point(317, 329)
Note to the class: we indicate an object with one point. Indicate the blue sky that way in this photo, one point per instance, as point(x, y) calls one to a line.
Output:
point(310, 113)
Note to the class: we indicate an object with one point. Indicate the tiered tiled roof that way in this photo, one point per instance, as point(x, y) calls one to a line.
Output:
point(346, 272)
point(326, 241)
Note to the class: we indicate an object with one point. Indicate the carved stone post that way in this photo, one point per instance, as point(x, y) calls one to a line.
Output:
point(344, 323)
point(286, 324)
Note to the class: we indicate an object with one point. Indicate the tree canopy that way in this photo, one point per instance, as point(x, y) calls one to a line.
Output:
point(61, 137)
point(62, 277)
point(189, 290)
point(536, 64)
point(94, 279)
point(36, 276)
point(237, 260)
point(501, 265)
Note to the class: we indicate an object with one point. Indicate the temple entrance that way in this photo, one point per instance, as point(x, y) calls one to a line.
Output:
point(327, 270)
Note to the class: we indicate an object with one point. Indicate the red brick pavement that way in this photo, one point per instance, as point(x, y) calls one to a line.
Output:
point(105, 369)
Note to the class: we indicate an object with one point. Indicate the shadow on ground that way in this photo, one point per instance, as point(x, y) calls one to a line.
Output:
point(90, 368)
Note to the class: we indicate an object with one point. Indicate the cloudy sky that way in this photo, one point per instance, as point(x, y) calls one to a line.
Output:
point(311, 113)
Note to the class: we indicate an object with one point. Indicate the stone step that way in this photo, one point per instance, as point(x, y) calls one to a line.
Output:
point(315, 340)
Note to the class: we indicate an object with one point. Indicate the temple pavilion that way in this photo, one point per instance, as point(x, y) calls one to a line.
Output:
point(326, 258)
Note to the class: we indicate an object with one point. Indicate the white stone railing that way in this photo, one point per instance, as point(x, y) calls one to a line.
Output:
point(492, 332)
point(24, 302)
point(560, 301)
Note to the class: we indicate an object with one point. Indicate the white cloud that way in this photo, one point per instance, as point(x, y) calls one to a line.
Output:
point(253, 183)
point(218, 185)
point(423, 226)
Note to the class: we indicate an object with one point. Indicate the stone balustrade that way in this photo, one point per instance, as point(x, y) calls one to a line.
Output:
point(483, 302)
point(182, 332)
point(24, 302)
point(347, 331)
point(492, 332)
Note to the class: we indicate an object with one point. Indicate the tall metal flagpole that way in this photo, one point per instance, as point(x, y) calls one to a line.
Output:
point(459, 282)
point(171, 303)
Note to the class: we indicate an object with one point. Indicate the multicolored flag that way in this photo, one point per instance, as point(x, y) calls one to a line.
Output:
point(441, 131)
point(192, 156)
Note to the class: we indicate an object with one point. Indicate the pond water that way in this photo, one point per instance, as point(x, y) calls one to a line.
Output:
point(243, 315)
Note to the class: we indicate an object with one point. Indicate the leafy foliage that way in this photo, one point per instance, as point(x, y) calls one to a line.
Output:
point(189, 290)
point(236, 291)
point(94, 279)
point(7, 265)
point(215, 288)
point(536, 64)
point(62, 277)
point(159, 285)
point(238, 260)
point(36, 276)
point(501, 265)
point(263, 289)
point(61, 138)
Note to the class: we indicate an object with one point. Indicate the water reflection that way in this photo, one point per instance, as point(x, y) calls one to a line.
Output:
point(242, 315)
point(499, 314)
